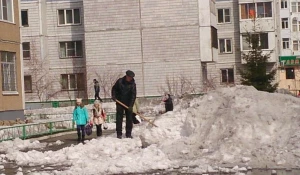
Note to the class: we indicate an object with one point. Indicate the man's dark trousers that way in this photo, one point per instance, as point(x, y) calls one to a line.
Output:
point(119, 118)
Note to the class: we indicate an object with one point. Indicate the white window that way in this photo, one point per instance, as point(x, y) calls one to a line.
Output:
point(295, 45)
point(227, 76)
point(285, 43)
point(284, 23)
point(284, 4)
point(6, 10)
point(263, 41)
point(26, 50)
point(259, 10)
point(8, 70)
point(295, 24)
point(225, 46)
point(70, 49)
point(295, 6)
point(69, 17)
point(223, 15)
point(72, 81)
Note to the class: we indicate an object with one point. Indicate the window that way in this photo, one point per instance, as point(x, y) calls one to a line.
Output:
point(6, 10)
point(227, 76)
point(295, 45)
point(24, 18)
point(263, 41)
point(70, 49)
point(260, 10)
point(68, 17)
point(289, 73)
point(285, 43)
point(8, 69)
point(295, 6)
point(284, 23)
point(27, 83)
point(214, 37)
point(26, 50)
point(72, 81)
point(283, 4)
point(295, 24)
point(223, 15)
point(225, 45)
point(264, 9)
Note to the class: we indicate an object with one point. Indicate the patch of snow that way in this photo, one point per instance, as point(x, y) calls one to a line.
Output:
point(225, 126)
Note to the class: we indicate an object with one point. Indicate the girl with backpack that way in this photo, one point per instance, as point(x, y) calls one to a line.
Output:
point(98, 118)
point(81, 118)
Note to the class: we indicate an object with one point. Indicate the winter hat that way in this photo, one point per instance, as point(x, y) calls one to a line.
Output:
point(130, 73)
point(78, 100)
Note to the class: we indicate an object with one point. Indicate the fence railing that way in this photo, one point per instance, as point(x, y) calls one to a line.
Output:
point(40, 128)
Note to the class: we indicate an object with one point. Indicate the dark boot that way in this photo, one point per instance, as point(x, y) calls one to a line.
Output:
point(78, 137)
point(82, 139)
point(128, 135)
point(119, 136)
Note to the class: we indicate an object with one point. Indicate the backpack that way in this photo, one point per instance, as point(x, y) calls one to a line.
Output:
point(89, 129)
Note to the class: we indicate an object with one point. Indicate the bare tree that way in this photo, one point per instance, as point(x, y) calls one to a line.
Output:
point(106, 80)
point(42, 81)
point(178, 86)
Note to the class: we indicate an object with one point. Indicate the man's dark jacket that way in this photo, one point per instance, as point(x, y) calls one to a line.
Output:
point(124, 91)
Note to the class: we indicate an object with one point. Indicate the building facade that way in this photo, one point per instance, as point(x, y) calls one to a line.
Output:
point(11, 84)
point(289, 59)
point(67, 44)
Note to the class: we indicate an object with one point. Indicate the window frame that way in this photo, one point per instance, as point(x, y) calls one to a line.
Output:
point(224, 16)
point(77, 76)
point(227, 76)
point(24, 10)
point(225, 46)
point(260, 43)
point(285, 43)
point(295, 43)
point(248, 14)
point(283, 4)
point(6, 62)
point(7, 9)
point(65, 17)
point(289, 76)
point(295, 7)
point(284, 23)
point(26, 58)
point(68, 49)
point(28, 91)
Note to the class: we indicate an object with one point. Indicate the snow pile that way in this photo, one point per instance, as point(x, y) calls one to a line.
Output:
point(228, 127)
point(104, 155)
point(18, 144)
point(232, 126)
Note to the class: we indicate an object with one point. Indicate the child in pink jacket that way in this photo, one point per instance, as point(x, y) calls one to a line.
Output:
point(98, 118)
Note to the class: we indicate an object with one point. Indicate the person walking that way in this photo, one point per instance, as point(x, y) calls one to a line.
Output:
point(97, 90)
point(81, 118)
point(124, 90)
point(98, 117)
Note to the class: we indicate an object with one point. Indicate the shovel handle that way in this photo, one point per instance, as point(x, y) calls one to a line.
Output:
point(122, 104)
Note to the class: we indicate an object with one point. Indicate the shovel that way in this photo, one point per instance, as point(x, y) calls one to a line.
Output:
point(122, 104)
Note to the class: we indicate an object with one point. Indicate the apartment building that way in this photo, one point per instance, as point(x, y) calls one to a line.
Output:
point(11, 84)
point(68, 43)
point(161, 41)
point(53, 49)
point(236, 18)
point(290, 50)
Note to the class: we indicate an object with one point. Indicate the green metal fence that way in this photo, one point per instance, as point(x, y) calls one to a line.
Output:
point(25, 131)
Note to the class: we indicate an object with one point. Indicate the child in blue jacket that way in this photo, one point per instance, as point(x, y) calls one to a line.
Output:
point(81, 118)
